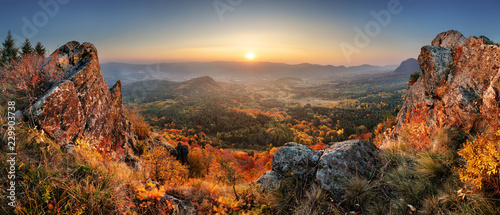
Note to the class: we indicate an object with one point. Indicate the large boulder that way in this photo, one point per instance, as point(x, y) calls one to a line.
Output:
point(344, 160)
point(82, 105)
point(295, 159)
point(330, 167)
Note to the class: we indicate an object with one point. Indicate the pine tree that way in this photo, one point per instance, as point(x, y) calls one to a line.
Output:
point(9, 51)
point(39, 49)
point(27, 48)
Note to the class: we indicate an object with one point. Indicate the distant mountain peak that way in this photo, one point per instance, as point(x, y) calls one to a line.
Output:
point(408, 66)
point(200, 83)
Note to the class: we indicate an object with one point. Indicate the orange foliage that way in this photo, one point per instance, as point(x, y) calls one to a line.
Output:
point(163, 167)
point(416, 131)
point(141, 127)
point(255, 112)
point(318, 146)
point(31, 75)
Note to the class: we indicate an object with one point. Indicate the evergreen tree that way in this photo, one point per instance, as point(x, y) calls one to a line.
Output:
point(27, 48)
point(9, 51)
point(39, 49)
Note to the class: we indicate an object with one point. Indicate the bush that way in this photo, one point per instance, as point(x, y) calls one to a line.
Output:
point(413, 78)
point(31, 76)
point(163, 167)
point(141, 127)
point(482, 164)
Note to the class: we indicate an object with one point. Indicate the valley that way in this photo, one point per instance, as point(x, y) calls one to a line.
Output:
point(259, 115)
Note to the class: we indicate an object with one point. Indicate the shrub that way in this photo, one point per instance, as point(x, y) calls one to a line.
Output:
point(141, 127)
point(31, 76)
point(163, 167)
point(482, 164)
point(413, 78)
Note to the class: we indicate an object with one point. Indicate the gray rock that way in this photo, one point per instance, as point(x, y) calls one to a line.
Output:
point(295, 159)
point(183, 207)
point(435, 63)
point(269, 181)
point(131, 161)
point(68, 148)
point(18, 114)
point(449, 39)
point(341, 161)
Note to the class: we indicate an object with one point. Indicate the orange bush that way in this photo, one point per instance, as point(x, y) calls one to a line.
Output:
point(415, 131)
point(31, 75)
point(163, 167)
point(141, 127)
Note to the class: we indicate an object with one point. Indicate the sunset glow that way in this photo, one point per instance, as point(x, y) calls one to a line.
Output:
point(250, 55)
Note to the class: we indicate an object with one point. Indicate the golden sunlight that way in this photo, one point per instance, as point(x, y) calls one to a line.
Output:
point(250, 55)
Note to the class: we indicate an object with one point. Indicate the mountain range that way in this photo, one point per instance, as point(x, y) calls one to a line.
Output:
point(233, 71)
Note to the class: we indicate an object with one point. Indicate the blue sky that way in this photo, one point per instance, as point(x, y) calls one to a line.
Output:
point(288, 31)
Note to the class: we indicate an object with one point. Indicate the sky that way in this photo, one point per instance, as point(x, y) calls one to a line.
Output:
point(326, 32)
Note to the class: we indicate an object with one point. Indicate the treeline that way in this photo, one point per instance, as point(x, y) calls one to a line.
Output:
point(10, 52)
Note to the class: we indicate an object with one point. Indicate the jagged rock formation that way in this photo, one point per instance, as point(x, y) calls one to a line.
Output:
point(460, 79)
point(82, 105)
point(329, 167)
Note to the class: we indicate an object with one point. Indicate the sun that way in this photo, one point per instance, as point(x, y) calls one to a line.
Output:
point(250, 55)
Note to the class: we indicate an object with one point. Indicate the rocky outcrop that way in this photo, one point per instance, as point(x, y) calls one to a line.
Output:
point(330, 167)
point(82, 105)
point(460, 79)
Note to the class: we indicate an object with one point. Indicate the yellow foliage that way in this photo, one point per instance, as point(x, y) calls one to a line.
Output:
point(482, 168)
point(148, 191)
point(163, 167)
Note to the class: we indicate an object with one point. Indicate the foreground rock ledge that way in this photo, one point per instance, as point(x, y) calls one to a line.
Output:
point(329, 168)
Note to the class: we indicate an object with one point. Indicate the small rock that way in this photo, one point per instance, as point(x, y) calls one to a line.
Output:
point(68, 148)
point(131, 161)
point(184, 207)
